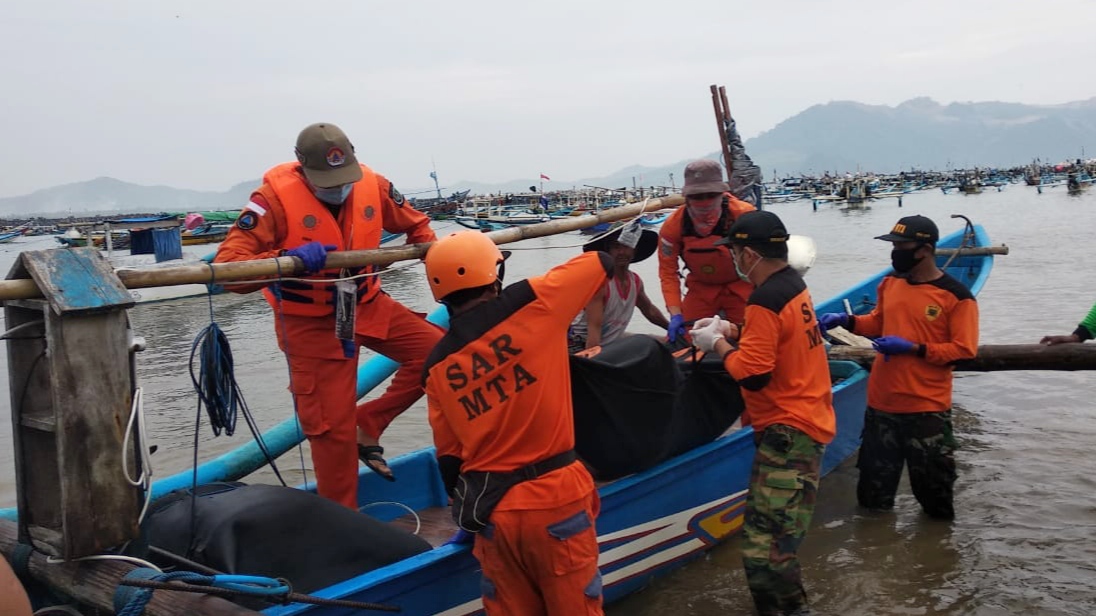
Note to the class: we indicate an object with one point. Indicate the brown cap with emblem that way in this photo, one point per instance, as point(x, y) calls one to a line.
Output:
point(327, 156)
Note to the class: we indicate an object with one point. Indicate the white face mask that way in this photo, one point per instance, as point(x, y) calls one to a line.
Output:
point(738, 269)
point(336, 195)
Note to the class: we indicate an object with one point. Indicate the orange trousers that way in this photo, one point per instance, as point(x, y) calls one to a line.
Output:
point(705, 300)
point(407, 340)
point(324, 392)
point(541, 562)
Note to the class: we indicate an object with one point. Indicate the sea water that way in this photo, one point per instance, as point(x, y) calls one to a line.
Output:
point(1024, 537)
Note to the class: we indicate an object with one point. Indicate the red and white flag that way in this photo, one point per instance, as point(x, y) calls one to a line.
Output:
point(544, 177)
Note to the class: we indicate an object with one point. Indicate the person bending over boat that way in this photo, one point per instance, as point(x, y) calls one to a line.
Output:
point(780, 364)
point(691, 234)
point(1085, 331)
point(327, 201)
point(498, 396)
point(923, 320)
point(606, 317)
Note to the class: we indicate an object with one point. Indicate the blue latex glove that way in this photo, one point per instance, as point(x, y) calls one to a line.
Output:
point(676, 328)
point(312, 254)
point(830, 320)
point(893, 345)
point(349, 348)
point(462, 537)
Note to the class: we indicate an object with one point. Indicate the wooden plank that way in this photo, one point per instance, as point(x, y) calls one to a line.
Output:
point(436, 524)
point(99, 508)
point(846, 337)
point(74, 280)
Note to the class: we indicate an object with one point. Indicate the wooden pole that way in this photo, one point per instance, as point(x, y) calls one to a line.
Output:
point(93, 582)
point(976, 251)
point(265, 268)
point(995, 357)
point(719, 104)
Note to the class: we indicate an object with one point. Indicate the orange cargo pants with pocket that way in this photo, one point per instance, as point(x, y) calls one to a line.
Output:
point(541, 562)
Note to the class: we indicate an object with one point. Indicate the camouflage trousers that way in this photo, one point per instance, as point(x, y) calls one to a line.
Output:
point(779, 506)
point(925, 443)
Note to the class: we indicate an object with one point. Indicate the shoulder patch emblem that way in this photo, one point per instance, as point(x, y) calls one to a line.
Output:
point(932, 311)
point(370, 212)
point(247, 220)
point(309, 221)
point(395, 195)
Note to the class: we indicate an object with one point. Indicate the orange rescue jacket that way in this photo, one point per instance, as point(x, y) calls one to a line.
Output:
point(707, 263)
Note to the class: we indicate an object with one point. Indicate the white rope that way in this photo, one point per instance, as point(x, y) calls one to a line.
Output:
point(129, 559)
point(137, 415)
point(418, 521)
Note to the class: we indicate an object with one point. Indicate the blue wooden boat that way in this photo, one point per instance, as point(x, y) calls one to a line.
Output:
point(653, 219)
point(10, 236)
point(650, 523)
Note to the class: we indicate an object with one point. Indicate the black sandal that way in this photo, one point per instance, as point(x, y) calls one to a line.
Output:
point(370, 455)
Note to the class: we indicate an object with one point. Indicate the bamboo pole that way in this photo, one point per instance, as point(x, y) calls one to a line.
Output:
point(995, 357)
point(266, 268)
point(976, 251)
point(93, 582)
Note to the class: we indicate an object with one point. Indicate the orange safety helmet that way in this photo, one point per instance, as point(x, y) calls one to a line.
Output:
point(462, 260)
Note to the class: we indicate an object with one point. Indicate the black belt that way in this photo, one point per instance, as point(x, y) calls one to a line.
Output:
point(545, 466)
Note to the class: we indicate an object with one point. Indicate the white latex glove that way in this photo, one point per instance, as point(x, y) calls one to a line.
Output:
point(728, 330)
point(706, 332)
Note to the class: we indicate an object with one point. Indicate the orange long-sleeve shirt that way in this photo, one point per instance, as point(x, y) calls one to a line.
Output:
point(781, 360)
point(941, 315)
point(260, 233)
point(498, 384)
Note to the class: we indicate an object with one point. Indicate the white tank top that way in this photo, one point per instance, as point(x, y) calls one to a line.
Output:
point(619, 306)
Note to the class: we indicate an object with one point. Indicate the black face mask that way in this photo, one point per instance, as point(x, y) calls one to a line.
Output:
point(902, 259)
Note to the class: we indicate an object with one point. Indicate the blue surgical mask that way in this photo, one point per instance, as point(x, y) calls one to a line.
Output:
point(336, 195)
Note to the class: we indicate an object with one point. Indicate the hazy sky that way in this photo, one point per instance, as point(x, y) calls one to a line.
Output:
point(206, 93)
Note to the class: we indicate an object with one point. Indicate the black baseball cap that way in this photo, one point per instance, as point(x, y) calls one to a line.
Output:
point(760, 227)
point(913, 229)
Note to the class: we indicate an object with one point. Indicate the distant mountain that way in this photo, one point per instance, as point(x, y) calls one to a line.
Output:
point(109, 196)
point(836, 137)
point(921, 133)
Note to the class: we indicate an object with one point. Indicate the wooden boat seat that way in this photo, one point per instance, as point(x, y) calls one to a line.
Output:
point(436, 525)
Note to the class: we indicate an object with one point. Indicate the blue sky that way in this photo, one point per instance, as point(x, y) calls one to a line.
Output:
point(204, 94)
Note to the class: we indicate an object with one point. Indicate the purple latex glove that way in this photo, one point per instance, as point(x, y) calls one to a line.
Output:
point(676, 328)
point(893, 345)
point(829, 320)
point(312, 254)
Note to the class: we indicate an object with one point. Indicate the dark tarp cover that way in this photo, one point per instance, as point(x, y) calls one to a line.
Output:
point(637, 405)
point(276, 532)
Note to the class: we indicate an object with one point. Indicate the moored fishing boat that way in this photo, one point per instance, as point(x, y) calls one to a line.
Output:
point(651, 522)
